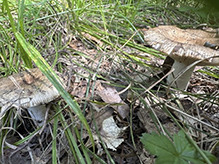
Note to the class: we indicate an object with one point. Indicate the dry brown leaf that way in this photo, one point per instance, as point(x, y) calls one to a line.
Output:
point(92, 38)
point(106, 92)
point(79, 89)
point(100, 116)
point(110, 95)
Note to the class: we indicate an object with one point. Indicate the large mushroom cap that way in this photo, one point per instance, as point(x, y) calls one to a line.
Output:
point(27, 89)
point(185, 46)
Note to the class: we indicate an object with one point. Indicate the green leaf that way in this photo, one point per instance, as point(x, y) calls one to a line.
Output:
point(161, 146)
point(178, 152)
point(158, 144)
point(188, 152)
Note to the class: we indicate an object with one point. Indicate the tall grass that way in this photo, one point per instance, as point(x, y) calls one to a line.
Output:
point(32, 33)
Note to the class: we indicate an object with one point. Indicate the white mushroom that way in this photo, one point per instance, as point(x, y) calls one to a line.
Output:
point(186, 48)
point(184, 56)
point(29, 89)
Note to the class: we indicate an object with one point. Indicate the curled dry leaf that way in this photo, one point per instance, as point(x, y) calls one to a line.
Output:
point(110, 95)
point(92, 38)
point(111, 132)
point(106, 92)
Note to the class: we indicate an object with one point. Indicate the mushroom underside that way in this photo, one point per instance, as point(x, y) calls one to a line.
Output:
point(38, 114)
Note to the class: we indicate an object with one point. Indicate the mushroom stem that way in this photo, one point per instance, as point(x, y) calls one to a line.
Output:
point(182, 81)
point(38, 114)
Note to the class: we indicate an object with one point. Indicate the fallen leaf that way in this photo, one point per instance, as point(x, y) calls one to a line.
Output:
point(111, 132)
point(110, 95)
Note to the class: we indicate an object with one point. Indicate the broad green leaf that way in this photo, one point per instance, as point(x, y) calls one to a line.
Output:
point(161, 146)
point(178, 152)
point(187, 152)
point(170, 160)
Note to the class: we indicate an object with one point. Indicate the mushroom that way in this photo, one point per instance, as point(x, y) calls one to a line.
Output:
point(28, 89)
point(187, 49)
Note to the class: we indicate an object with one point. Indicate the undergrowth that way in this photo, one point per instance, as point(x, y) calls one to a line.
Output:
point(34, 33)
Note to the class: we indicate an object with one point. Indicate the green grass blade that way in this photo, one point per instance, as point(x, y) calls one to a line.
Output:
point(47, 70)
point(71, 140)
point(24, 56)
point(11, 20)
point(54, 152)
point(20, 16)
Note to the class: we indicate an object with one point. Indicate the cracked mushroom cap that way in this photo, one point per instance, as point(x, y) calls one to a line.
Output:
point(185, 46)
point(27, 89)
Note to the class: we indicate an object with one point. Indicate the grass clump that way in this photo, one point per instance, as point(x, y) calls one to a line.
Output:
point(102, 38)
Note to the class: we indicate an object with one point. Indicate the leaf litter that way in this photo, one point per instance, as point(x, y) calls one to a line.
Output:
point(113, 108)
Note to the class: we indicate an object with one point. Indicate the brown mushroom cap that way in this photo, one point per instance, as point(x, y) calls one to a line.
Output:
point(185, 46)
point(27, 89)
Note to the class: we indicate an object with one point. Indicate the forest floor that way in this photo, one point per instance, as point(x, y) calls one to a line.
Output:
point(122, 95)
